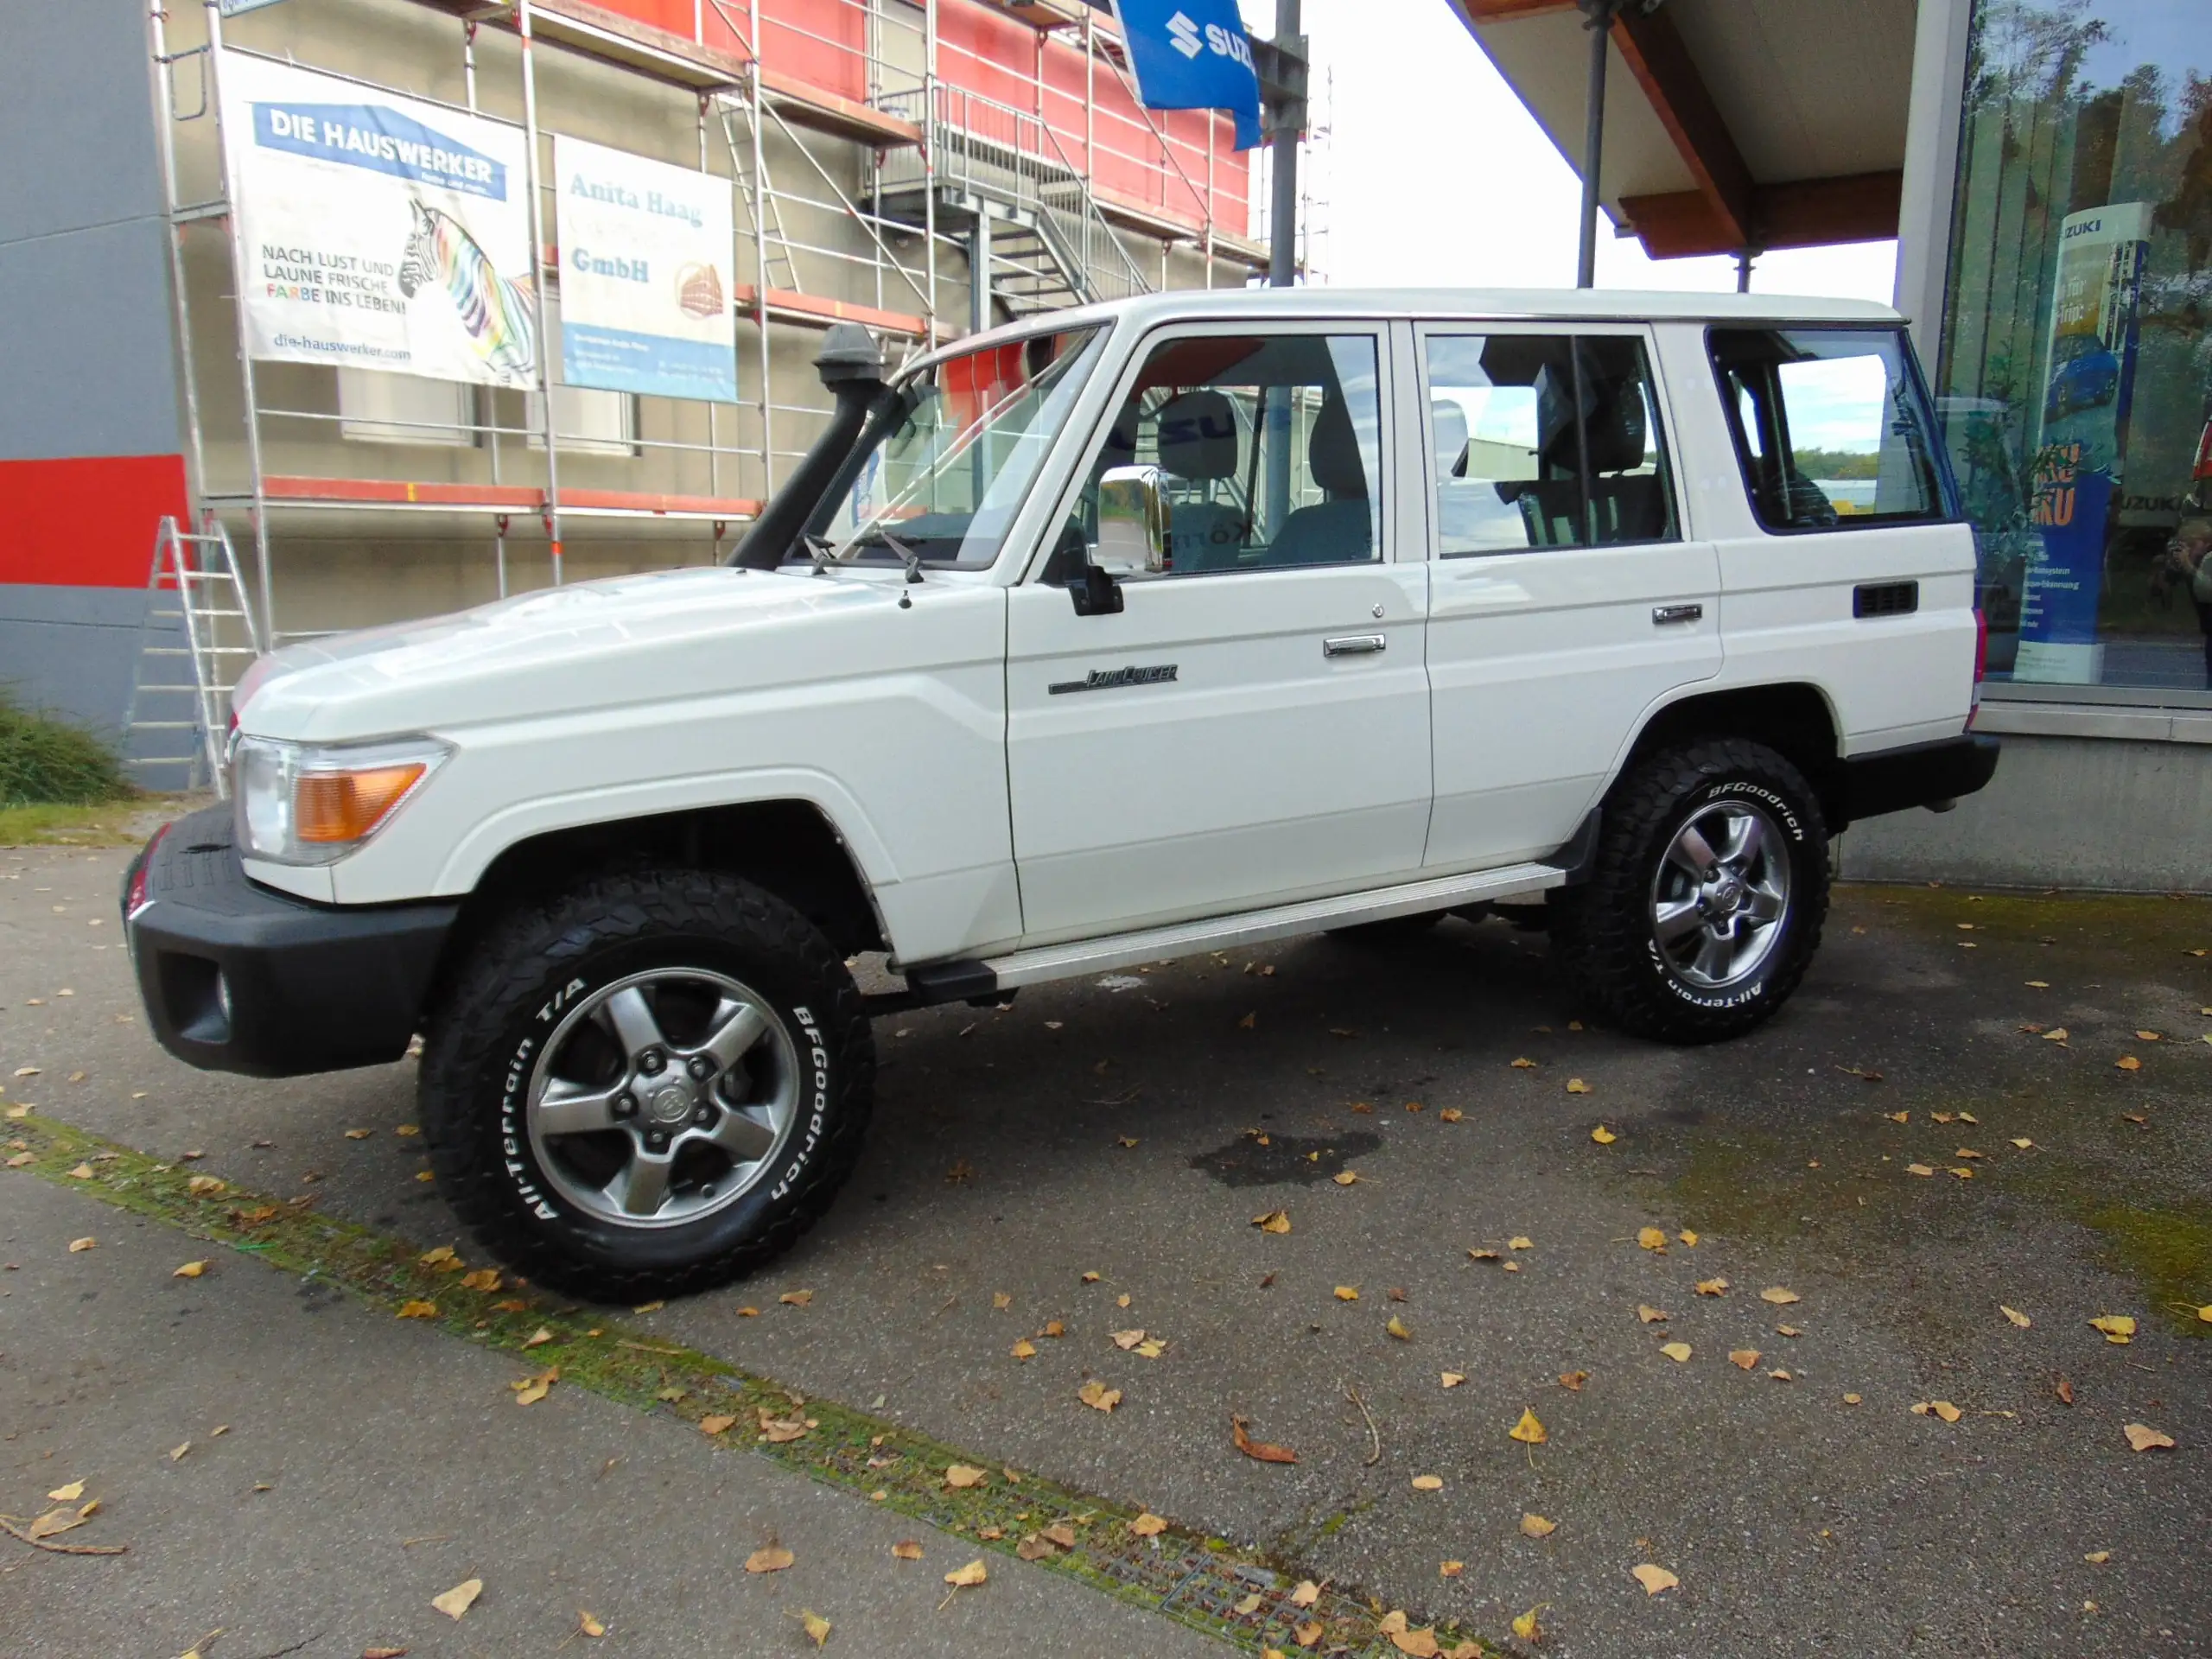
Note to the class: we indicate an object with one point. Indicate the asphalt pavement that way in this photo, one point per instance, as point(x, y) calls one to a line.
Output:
point(1135, 1128)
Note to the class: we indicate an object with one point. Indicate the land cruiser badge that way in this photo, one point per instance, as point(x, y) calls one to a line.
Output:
point(1113, 679)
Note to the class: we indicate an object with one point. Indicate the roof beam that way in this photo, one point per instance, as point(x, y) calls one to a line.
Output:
point(1654, 54)
point(1804, 213)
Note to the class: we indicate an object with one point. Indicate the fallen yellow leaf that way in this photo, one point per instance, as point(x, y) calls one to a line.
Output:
point(1149, 1525)
point(717, 1423)
point(1603, 1136)
point(1655, 1578)
point(1650, 1315)
point(536, 1338)
point(188, 1270)
point(2021, 1142)
point(1098, 1396)
point(1397, 1328)
point(1428, 1483)
point(1345, 1177)
point(205, 1186)
point(2098, 1557)
point(1453, 1379)
point(769, 1558)
point(1524, 1064)
point(1677, 1352)
point(1450, 1114)
point(1024, 1349)
point(2128, 1063)
point(960, 1476)
point(2119, 1328)
point(962, 1578)
point(82, 1172)
point(1529, 1431)
point(484, 1279)
point(1347, 1292)
point(1520, 1241)
point(817, 1627)
point(531, 1390)
point(419, 1310)
point(1275, 1221)
point(1778, 1296)
point(1576, 1086)
point(459, 1599)
point(2144, 1437)
point(1712, 1286)
point(1851, 1399)
point(1573, 1381)
point(1918, 1169)
point(1304, 1595)
point(1524, 1624)
point(587, 1625)
point(68, 1494)
point(796, 1298)
point(1745, 1358)
point(1651, 1238)
point(1535, 1526)
point(2015, 1315)
point(1450, 1569)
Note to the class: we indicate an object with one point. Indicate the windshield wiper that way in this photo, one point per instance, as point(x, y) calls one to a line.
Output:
point(820, 549)
point(907, 555)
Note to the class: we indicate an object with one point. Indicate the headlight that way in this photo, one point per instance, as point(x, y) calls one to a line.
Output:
point(312, 803)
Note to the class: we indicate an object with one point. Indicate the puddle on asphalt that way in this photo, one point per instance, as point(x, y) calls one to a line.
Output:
point(1283, 1159)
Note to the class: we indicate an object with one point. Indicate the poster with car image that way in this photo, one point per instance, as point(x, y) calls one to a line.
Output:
point(377, 231)
point(2081, 449)
point(645, 275)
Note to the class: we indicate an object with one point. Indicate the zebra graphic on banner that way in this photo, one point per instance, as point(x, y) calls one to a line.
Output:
point(494, 313)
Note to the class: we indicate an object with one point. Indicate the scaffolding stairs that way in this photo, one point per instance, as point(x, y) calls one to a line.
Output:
point(198, 637)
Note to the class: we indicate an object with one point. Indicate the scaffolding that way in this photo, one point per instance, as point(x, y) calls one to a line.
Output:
point(1047, 182)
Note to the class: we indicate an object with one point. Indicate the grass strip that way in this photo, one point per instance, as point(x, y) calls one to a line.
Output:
point(1207, 1584)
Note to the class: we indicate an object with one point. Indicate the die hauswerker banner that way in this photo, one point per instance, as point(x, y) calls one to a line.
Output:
point(377, 231)
point(645, 263)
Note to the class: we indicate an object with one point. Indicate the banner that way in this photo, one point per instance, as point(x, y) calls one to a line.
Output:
point(645, 301)
point(1193, 55)
point(378, 233)
point(2081, 448)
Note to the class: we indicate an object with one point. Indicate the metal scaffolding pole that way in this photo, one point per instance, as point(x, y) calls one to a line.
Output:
point(1283, 215)
point(196, 485)
point(537, 284)
point(761, 262)
point(929, 162)
point(259, 508)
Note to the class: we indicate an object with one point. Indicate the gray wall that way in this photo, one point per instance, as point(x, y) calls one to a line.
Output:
point(2062, 812)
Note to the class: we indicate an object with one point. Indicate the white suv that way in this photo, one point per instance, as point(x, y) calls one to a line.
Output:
point(1117, 635)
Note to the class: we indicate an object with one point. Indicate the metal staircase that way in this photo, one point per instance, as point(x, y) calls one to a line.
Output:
point(1002, 176)
point(199, 633)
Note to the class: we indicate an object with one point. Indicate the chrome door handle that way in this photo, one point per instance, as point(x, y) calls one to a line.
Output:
point(1663, 615)
point(1354, 645)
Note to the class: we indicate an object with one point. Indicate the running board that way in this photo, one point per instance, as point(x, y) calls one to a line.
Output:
point(967, 980)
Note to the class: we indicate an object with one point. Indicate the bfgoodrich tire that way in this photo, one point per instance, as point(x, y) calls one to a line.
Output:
point(655, 1081)
point(1705, 897)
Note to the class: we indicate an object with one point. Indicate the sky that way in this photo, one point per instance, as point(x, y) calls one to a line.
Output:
point(1438, 175)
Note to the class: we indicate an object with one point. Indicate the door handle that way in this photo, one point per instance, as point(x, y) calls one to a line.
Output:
point(1354, 645)
point(1663, 615)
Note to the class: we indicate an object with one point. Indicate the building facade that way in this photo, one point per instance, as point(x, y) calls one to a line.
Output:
point(923, 168)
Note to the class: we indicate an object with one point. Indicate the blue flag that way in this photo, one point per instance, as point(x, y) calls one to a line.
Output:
point(1193, 55)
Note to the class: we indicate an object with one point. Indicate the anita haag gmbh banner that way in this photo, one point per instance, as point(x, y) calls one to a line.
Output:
point(644, 303)
point(379, 231)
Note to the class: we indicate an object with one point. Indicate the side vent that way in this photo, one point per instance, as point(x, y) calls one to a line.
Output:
point(1885, 599)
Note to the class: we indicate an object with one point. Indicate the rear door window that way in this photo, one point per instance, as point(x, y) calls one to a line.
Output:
point(1541, 441)
point(1832, 426)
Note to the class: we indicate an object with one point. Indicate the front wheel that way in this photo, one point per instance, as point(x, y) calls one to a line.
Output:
point(655, 1081)
point(1705, 897)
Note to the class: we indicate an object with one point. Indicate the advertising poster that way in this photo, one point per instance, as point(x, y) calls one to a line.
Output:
point(644, 295)
point(2080, 451)
point(378, 232)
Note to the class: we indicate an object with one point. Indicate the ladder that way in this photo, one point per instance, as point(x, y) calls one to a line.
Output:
point(198, 636)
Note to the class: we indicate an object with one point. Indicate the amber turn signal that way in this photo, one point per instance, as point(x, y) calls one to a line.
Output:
point(343, 807)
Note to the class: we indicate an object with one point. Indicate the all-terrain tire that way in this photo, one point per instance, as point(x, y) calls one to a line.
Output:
point(496, 1013)
point(1605, 936)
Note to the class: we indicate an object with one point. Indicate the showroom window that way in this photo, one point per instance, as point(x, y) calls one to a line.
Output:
point(2075, 384)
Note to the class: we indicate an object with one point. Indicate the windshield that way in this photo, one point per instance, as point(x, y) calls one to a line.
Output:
point(949, 469)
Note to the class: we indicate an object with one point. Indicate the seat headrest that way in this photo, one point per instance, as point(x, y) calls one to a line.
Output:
point(1197, 437)
point(1615, 430)
point(1332, 452)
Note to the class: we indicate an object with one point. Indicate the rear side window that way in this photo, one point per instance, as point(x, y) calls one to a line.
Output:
point(1544, 440)
point(1832, 426)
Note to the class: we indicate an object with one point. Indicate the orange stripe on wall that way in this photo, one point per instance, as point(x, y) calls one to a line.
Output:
point(86, 522)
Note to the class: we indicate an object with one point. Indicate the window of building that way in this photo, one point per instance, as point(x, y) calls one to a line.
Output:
point(2075, 384)
point(1515, 468)
point(1831, 426)
point(585, 421)
point(1272, 446)
point(377, 406)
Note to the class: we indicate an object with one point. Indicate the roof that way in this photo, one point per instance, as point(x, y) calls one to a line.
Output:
point(1515, 304)
point(1729, 124)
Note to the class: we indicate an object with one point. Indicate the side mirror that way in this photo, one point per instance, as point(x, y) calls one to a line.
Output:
point(1133, 515)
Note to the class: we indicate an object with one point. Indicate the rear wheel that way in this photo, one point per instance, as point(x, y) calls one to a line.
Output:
point(657, 1082)
point(1705, 897)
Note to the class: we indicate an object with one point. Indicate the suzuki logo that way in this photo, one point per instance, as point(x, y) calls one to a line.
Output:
point(1185, 35)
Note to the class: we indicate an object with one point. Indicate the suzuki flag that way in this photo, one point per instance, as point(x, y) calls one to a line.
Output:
point(377, 231)
point(1193, 55)
point(644, 304)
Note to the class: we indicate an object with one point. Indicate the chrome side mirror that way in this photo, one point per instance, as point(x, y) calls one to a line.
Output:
point(1134, 516)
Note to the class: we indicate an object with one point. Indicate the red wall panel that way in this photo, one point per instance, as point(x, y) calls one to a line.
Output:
point(88, 522)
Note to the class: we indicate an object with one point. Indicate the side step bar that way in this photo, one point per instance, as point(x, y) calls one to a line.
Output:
point(992, 980)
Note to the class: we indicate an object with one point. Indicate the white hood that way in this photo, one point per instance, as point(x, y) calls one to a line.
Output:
point(595, 645)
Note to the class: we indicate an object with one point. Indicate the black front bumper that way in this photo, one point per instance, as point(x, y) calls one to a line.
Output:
point(1927, 774)
point(237, 977)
